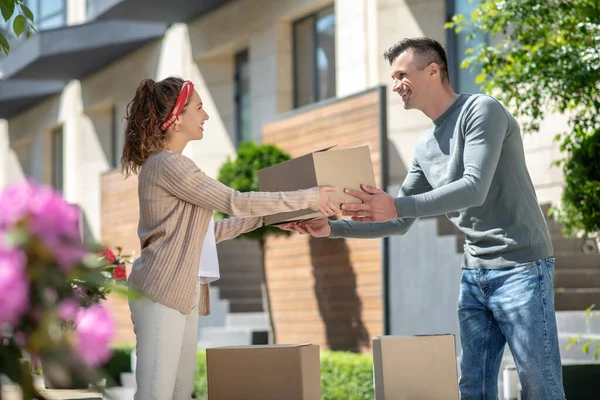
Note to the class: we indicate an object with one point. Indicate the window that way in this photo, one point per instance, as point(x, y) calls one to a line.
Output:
point(56, 138)
point(242, 97)
point(462, 79)
point(314, 57)
point(49, 14)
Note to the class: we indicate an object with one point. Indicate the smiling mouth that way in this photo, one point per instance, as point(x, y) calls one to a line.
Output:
point(405, 94)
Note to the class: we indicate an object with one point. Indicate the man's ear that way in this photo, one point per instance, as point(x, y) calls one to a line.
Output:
point(433, 70)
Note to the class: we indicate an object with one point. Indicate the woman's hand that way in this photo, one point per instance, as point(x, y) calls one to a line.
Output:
point(329, 205)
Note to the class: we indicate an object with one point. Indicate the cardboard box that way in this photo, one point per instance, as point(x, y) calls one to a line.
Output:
point(415, 368)
point(290, 372)
point(343, 168)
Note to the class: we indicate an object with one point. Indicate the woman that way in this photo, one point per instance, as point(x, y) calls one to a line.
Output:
point(177, 201)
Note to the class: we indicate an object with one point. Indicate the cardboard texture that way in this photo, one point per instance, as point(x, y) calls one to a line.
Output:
point(415, 368)
point(342, 168)
point(290, 372)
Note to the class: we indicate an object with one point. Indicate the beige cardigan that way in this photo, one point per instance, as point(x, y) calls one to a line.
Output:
point(176, 203)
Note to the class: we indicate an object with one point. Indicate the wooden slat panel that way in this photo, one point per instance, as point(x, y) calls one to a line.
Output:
point(327, 291)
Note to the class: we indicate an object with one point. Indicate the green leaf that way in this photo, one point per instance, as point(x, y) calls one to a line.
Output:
point(8, 9)
point(19, 25)
point(4, 46)
point(480, 78)
point(27, 12)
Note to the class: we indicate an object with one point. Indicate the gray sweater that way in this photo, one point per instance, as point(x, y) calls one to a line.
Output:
point(471, 167)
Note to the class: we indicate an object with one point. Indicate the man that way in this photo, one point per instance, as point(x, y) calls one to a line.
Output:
point(471, 167)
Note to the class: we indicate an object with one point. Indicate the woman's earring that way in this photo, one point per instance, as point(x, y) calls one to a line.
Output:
point(177, 128)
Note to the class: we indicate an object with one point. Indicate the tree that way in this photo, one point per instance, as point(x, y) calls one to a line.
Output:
point(22, 21)
point(240, 174)
point(544, 57)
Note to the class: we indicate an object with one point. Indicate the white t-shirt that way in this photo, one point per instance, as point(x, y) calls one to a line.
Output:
point(209, 261)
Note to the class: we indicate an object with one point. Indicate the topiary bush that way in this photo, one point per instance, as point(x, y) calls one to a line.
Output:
point(240, 174)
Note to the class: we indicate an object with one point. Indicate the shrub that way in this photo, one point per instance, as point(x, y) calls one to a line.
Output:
point(346, 376)
point(201, 385)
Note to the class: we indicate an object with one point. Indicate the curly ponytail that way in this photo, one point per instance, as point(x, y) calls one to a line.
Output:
point(149, 108)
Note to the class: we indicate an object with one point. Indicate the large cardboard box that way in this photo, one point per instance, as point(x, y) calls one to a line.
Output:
point(290, 372)
point(415, 368)
point(342, 168)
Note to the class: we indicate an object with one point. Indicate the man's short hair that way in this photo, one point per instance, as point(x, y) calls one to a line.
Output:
point(426, 51)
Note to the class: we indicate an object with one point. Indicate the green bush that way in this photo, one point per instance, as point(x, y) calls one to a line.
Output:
point(119, 362)
point(240, 174)
point(201, 385)
point(580, 209)
point(346, 376)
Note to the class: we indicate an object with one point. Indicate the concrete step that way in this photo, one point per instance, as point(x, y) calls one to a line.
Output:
point(576, 299)
point(240, 279)
point(254, 320)
point(232, 292)
point(576, 260)
point(224, 336)
point(577, 278)
point(245, 305)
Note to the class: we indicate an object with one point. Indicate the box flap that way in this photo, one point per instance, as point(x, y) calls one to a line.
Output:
point(325, 149)
point(263, 346)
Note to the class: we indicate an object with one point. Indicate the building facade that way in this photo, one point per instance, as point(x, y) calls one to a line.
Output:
point(64, 92)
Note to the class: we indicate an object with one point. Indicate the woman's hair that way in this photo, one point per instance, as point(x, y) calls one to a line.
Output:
point(152, 103)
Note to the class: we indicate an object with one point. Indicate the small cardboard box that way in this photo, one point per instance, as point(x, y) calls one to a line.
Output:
point(415, 367)
point(343, 168)
point(290, 372)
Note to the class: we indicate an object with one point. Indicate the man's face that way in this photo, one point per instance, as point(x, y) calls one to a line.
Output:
point(410, 82)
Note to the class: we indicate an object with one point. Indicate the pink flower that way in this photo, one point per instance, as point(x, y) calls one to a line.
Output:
point(68, 310)
point(94, 328)
point(49, 217)
point(52, 216)
point(14, 202)
point(14, 286)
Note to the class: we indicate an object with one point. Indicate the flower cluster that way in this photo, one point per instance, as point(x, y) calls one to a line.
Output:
point(114, 273)
point(42, 261)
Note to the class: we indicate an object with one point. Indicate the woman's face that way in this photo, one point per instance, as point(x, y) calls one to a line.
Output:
point(192, 118)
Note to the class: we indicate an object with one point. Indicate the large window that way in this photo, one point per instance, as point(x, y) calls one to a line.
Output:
point(243, 126)
point(462, 79)
point(314, 57)
point(56, 144)
point(49, 14)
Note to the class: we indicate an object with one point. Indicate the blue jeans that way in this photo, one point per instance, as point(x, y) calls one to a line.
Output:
point(516, 306)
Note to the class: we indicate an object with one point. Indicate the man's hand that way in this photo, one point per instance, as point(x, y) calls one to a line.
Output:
point(377, 206)
point(315, 227)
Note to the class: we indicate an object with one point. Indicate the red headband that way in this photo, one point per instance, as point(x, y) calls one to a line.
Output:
point(184, 95)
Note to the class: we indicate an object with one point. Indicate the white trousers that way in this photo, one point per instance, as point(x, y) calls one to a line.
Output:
point(166, 347)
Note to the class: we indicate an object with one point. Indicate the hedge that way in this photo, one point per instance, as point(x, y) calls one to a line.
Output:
point(346, 376)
